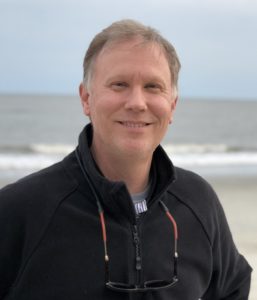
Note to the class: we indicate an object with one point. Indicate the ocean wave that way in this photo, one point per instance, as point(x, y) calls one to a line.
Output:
point(59, 149)
point(53, 149)
point(215, 159)
point(27, 161)
point(64, 149)
point(210, 155)
point(38, 156)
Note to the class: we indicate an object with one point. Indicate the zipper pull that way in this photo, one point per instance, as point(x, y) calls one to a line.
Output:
point(137, 242)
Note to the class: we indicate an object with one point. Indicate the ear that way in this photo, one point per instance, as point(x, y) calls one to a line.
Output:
point(173, 107)
point(84, 97)
point(174, 104)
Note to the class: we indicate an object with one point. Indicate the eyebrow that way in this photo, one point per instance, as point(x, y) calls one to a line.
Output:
point(123, 77)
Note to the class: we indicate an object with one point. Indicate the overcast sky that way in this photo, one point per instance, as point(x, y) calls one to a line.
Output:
point(42, 42)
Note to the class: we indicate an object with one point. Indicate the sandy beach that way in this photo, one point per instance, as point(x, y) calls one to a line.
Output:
point(238, 196)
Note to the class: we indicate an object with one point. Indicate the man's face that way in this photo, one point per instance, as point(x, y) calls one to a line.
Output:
point(131, 99)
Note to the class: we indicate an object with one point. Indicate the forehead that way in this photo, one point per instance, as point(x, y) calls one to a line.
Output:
point(132, 53)
point(130, 44)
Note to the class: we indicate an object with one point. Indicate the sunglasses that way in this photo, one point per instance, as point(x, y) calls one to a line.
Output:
point(151, 285)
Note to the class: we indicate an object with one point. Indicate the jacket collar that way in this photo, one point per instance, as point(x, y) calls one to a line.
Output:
point(114, 195)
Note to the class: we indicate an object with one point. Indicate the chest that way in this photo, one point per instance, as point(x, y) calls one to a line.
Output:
point(68, 262)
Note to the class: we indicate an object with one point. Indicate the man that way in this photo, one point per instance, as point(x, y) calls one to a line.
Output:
point(115, 219)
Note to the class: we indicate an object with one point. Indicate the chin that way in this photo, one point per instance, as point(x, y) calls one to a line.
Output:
point(137, 150)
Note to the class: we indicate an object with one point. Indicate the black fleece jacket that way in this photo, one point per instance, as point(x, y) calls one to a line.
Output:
point(51, 244)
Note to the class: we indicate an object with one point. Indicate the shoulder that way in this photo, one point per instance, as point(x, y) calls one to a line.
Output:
point(27, 205)
point(52, 182)
point(188, 183)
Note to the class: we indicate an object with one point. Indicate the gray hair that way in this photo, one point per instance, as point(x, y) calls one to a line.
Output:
point(125, 30)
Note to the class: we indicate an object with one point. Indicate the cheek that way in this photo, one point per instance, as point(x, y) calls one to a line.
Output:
point(101, 109)
point(109, 105)
point(163, 111)
point(167, 110)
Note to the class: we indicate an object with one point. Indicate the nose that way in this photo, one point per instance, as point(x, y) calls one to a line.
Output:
point(136, 100)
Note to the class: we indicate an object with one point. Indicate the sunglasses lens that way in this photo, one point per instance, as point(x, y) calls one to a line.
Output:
point(120, 286)
point(159, 284)
point(156, 283)
point(149, 285)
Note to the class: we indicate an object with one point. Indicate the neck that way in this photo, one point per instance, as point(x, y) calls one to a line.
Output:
point(134, 172)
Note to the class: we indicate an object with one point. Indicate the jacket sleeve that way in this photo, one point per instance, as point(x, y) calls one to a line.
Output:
point(26, 208)
point(231, 273)
point(11, 241)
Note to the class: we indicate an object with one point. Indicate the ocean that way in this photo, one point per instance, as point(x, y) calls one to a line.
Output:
point(211, 137)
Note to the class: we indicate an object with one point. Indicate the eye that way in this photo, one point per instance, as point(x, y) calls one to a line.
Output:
point(153, 87)
point(119, 85)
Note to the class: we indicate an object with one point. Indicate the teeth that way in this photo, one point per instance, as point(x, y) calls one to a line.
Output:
point(133, 124)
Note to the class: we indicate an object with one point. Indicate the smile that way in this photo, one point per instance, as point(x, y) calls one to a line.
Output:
point(130, 124)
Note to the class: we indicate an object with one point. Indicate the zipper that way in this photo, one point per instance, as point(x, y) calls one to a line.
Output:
point(138, 259)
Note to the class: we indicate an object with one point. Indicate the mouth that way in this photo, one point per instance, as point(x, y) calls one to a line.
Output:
point(133, 124)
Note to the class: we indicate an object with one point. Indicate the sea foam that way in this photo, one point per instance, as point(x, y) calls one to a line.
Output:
point(38, 156)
